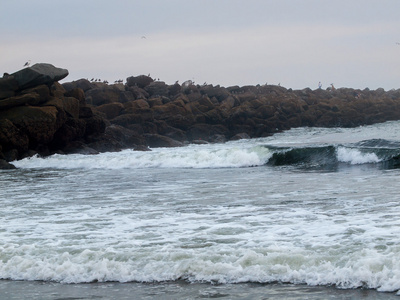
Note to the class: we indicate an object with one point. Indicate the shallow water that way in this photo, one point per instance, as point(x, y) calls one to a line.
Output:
point(14, 290)
point(312, 208)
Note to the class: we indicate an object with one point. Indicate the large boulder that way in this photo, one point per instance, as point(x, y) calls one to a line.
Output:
point(8, 87)
point(38, 123)
point(12, 137)
point(140, 81)
point(157, 88)
point(38, 74)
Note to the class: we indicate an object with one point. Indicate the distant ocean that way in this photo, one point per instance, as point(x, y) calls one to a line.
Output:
point(309, 213)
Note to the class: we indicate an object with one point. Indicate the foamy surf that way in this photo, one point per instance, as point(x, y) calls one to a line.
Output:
point(202, 214)
point(194, 156)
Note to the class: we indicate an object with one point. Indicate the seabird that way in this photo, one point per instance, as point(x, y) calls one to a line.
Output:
point(27, 63)
point(143, 37)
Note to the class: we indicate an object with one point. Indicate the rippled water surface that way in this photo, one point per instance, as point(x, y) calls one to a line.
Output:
point(216, 219)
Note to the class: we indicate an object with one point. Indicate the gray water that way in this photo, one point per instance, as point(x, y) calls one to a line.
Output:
point(205, 221)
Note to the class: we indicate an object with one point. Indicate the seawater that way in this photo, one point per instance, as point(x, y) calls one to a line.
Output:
point(307, 213)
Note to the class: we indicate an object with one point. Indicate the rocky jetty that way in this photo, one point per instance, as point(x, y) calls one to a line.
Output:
point(39, 115)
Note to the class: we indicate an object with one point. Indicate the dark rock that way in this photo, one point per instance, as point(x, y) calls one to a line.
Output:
point(131, 106)
point(174, 89)
point(206, 132)
point(11, 137)
point(116, 138)
point(126, 96)
point(141, 148)
point(38, 74)
point(137, 92)
point(8, 87)
point(83, 84)
point(12, 155)
point(4, 165)
point(72, 130)
point(85, 112)
point(79, 148)
point(102, 95)
point(27, 99)
point(111, 110)
point(157, 88)
point(156, 140)
point(140, 81)
point(95, 125)
point(200, 142)
point(240, 136)
point(39, 123)
point(77, 93)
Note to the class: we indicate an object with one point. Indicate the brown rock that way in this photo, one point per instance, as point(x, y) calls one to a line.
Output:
point(139, 103)
point(77, 93)
point(39, 123)
point(157, 88)
point(140, 81)
point(71, 106)
point(111, 110)
point(27, 99)
point(156, 140)
point(11, 137)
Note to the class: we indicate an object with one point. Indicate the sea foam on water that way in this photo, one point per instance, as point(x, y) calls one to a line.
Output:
point(208, 213)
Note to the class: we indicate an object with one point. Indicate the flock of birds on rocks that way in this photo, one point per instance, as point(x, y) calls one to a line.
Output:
point(105, 81)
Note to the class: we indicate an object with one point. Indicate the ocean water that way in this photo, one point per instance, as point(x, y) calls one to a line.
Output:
point(310, 213)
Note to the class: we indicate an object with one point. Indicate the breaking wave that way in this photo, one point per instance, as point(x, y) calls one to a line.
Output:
point(230, 155)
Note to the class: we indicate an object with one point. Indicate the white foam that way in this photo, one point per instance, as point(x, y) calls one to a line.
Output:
point(132, 216)
point(355, 156)
point(209, 156)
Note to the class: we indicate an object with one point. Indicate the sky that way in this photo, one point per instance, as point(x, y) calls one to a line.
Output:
point(294, 43)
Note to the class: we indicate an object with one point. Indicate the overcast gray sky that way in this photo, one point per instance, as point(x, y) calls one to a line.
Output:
point(297, 43)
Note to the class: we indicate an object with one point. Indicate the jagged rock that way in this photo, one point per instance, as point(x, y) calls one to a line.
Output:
point(38, 74)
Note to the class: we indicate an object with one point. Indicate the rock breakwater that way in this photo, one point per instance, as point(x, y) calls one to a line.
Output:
point(43, 116)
